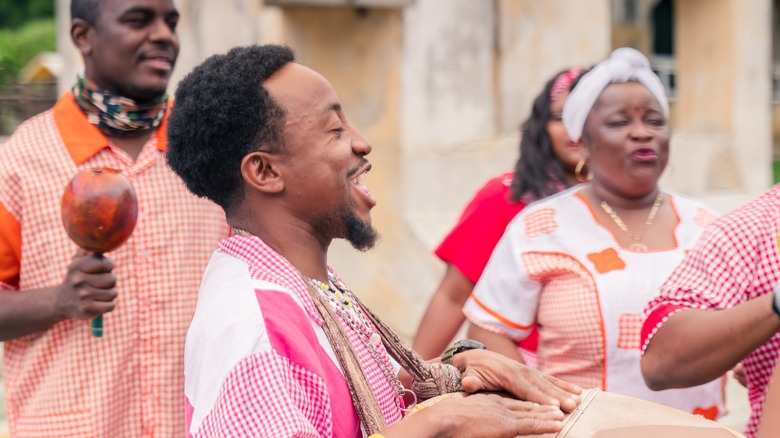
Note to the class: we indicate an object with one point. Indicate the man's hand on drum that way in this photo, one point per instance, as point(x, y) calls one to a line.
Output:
point(488, 371)
point(487, 415)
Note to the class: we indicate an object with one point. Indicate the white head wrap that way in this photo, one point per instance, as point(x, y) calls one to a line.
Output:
point(624, 65)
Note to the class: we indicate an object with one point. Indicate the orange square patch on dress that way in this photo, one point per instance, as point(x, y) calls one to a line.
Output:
point(540, 222)
point(607, 260)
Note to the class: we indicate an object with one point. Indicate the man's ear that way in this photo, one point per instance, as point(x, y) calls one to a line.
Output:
point(259, 170)
point(79, 34)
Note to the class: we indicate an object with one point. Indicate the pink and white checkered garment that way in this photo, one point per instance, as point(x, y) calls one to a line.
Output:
point(735, 261)
point(63, 382)
point(257, 362)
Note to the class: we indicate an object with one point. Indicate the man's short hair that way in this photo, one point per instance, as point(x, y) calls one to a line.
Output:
point(221, 112)
point(87, 10)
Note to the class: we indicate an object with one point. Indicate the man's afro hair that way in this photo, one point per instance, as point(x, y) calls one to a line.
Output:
point(221, 112)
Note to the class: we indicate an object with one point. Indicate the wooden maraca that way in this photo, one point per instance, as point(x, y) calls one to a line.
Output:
point(99, 211)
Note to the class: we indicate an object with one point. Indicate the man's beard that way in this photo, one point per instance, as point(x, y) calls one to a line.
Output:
point(360, 235)
point(344, 223)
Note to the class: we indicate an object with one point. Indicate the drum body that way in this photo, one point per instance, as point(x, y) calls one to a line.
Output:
point(607, 415)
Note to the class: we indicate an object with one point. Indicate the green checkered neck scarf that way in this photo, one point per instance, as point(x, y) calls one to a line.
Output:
point(118, 116)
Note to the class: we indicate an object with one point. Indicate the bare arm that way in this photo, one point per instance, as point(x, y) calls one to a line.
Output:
point(770, 423)
point(495, 342)
point(697, 346)
point(444, 315)
point(86, 291)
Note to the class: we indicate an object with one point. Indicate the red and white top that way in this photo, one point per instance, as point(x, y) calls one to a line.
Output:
point(257, 361)
point(735, 261)
point(471, 241)
point(558, 269)
point(63, 382)
point(469, 244)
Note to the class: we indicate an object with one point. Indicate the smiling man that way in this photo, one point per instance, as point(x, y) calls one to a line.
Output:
point(60, 380)
point(279, 345)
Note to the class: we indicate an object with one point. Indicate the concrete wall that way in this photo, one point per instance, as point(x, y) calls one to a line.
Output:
point(537, 39)
point(723, 115)
point(470, 72)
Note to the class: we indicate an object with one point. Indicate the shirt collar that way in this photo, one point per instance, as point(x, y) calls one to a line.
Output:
point(267, 264)
point(83, 139)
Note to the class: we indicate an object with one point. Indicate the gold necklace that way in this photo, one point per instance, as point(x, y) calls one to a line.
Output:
point(358, 322)
point(637, 245)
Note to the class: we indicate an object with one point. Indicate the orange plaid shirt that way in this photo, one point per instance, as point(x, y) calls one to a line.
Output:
point(63, 382)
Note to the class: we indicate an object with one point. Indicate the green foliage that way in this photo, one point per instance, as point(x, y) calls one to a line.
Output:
point(16, 13)
point(19, 46)
point(776, 170)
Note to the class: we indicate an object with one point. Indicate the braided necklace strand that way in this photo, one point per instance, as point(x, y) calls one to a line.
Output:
point(637, 245)
point(341, 299)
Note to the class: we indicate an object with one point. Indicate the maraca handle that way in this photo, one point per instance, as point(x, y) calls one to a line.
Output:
point(99, 212)
point(97, 326)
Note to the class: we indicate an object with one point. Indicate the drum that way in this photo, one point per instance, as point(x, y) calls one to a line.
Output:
point(607, 415)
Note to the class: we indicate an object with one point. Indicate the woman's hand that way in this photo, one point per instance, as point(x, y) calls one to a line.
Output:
point(488, 371)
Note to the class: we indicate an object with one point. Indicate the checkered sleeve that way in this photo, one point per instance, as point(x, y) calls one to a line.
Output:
point(714, 275)
point(10, 228)
point(267, 395)
point(10, 250)
point(506, 282)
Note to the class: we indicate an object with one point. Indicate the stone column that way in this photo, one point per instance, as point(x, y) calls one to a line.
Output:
point(722, 136)
point(470, 71)
point(537, 39)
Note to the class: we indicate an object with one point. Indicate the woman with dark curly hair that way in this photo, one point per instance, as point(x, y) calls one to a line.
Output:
point(549, 162)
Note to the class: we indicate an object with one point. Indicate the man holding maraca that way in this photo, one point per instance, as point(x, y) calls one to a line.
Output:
point(61, 380)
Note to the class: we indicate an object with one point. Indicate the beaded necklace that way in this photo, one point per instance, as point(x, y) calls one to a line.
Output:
point(341, 300)
point(351, 311)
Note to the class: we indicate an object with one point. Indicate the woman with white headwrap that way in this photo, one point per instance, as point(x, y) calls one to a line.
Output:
point(581, 265)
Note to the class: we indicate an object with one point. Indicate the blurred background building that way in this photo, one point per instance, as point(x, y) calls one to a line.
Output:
point(441, 86)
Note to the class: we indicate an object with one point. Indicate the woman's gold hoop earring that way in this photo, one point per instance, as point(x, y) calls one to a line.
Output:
point(578, 172)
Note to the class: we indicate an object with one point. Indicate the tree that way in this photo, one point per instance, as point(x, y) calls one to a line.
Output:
point(19, 46)
point(15, 13)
